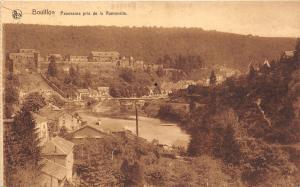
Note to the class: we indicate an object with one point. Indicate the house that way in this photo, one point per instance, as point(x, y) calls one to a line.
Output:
point(82, 93)
point(107, 56)
point(123, 63)
point(52, 174)
point(98, 131)
point(70, 121)
point(60, 151)
point(103, 91)
point(93, 93)
point(88, 131)
point(21, 56)
point(288, 54)
point(42, 127)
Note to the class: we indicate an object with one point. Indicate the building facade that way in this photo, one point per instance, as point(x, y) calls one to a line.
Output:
point(42, 128)
point(25, 59)
point(108, 56)
point(74, 58)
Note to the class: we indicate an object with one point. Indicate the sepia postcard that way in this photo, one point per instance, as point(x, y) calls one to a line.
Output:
point(150, 94)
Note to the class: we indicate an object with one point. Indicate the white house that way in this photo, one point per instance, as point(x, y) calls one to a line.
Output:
point(42, 128)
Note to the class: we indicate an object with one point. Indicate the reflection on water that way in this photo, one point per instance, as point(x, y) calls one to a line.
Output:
point(149, 128)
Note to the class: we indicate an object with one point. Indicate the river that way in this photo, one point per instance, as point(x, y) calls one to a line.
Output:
point(149, 128)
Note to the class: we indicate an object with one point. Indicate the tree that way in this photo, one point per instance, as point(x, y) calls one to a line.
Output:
point(157, 89)
point(91, 102)
point(133, 173)
point(251, 73)
point(57, 100)
point(212, 78)
point(297, 50)
point(87, 79)
point(128, 75)
point(72, 72)
point(52, 67)
point(11, 97)
point(231, 149)
point(74, 76)
point(63, 132)
point(160, 72)
point(11, 94)
point(34, 102)
point(24, 149)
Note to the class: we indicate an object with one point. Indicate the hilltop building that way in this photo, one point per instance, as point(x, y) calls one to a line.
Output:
point(109, 56)
point(25, 59)
point(73, 58)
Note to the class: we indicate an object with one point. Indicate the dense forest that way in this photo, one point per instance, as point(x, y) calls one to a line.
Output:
point(147, 43)
point(250, 122)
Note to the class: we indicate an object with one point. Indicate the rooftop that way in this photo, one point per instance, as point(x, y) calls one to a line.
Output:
point(50, 113)
point(103, 128)
point(60, 145)
point(53, 169)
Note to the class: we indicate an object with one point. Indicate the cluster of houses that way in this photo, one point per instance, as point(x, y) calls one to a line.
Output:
point(101, 92)
point(58, 153)
point(94, 56)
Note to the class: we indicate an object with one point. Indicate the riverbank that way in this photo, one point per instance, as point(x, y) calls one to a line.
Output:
point(149, 128)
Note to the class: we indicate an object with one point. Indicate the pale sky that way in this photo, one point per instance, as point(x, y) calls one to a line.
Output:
point(256, 18)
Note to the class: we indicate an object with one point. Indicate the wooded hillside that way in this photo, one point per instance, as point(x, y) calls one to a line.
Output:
point(147, 43)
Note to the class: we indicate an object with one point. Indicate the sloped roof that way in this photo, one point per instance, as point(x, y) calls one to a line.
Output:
point(102, 128)
point(95, 127)
point(53, 169)
point(60, 145)
point(49, 113)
